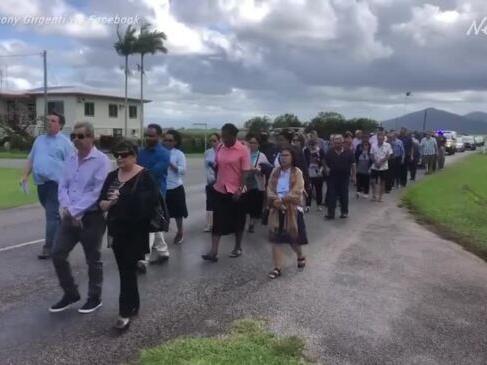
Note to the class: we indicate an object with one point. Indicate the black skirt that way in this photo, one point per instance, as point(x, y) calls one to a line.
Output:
point(254, 202)
point(282, 237)
point(210, 198)
point(228, 215)
point(176, 202)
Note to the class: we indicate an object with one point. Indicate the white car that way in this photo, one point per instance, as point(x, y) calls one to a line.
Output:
point(460, 145)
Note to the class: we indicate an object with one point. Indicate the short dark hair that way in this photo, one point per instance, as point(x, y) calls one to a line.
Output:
point(230, 129)
point(217, 135)
point(251, 135)
point(62, 120)
point(286, 134)
point(125, 145)
point(177, 137)
point(294, 154)
point(156, 127)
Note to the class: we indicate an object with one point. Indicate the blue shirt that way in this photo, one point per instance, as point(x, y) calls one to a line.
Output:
point(48, 155)
point(397, 148)
point(82, 181)
point(175, 178)
point(156, 160)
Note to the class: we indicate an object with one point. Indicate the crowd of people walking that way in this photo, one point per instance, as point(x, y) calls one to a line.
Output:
point(266, 179)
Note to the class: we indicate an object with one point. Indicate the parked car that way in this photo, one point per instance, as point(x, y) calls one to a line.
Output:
point(451, 146)
point(460, 146)
point(479, 141)
point(469, 143)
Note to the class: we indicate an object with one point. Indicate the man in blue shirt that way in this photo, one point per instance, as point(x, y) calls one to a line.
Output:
point(396, 161)
point(45, 162)
point(407, 142)
point(155, 158)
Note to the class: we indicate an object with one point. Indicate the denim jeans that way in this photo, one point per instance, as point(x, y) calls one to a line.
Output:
point(90, 235)
point(48, 198)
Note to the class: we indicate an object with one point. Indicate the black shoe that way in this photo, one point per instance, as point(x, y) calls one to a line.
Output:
point(329, 217)
point(141, 267)
point(45, 254)
point(122, 324)
point(159, 260)
point(343, 216)
point(212, 258)
point(251, 228)
point(235, 253)
point(64, 303)
point(91, 305)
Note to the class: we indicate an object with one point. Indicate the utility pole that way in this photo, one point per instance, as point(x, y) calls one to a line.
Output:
point(424, 119)
point(44, 57)
point(141, 98)
point(206, 129)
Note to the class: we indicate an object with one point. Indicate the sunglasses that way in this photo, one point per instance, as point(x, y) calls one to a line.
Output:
point(77, 136)
point(169, 140)
point(122, 154)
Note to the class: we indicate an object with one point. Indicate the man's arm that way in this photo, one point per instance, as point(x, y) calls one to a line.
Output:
point(354, 173)
point(29, 163)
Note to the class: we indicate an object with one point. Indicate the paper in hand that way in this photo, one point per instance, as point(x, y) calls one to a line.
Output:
point(25, 187)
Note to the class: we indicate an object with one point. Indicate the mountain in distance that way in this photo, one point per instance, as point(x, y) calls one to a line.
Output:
point(437, 119)
point(478, 116)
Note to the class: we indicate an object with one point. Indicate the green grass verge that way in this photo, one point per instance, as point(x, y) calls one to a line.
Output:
point(454, 202)
point(247, 343)
point(13, 154)
point(10, 192)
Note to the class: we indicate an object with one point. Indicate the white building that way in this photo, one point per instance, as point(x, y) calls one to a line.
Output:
point(105, 111)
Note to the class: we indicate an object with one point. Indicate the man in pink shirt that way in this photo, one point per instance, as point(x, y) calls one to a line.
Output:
point(232, 161)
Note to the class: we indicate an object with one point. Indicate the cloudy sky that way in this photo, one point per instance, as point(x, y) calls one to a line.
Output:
point(230, 60)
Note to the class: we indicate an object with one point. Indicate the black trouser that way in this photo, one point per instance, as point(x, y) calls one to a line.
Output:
point(338, 189)
point(90, 234)
point(404, 173)
point(395, 168)
point(127, 258)
point(363, 183)
point(317, 185)
point(413, 167)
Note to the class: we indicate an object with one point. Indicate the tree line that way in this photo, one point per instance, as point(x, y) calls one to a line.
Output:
point(325, 123)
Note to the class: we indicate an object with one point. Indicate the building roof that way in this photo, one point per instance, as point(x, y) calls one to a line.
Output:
point(68, 90)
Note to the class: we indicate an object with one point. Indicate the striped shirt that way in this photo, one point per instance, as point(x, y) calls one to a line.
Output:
point(428, 146)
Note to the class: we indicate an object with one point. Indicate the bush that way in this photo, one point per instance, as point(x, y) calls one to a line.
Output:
point(21, 143)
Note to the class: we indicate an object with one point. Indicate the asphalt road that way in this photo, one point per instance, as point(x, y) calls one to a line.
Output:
point(378, 288)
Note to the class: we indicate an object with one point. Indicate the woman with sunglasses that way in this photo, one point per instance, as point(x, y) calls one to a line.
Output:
point(286, 219)
point(129, 195)
point(175, 195)
point(210, 168)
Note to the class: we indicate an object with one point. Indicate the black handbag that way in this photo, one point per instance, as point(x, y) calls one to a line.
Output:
point(160, 219)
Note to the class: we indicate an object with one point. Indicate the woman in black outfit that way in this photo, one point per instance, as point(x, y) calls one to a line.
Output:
point(129, 195)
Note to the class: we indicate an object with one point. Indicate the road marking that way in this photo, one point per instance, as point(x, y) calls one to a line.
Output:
point(21, 245)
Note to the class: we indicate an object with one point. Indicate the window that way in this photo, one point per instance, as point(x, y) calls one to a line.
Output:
point(117, 132)
point(55, 106)
point(89, 109)
point(133, 111)
point(113, 110)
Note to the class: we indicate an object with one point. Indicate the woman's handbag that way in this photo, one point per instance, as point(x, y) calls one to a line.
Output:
point(160, 219)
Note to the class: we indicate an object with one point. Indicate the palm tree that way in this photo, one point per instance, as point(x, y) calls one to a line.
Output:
point(125, 47)
point(147, 42)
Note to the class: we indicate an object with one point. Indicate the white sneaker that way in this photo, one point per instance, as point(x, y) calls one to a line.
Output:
point(366, 196)
point(207, 229)
point(319, 209)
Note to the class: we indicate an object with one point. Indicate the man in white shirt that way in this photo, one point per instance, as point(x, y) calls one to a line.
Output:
point(380, 155)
